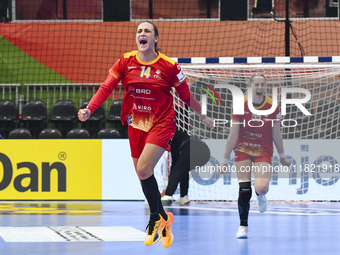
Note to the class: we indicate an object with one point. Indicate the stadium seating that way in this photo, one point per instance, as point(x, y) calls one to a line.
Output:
point(50, 133)
point(108, 133)
point(34, 116)
point(94, 122)
point(114, 117)
point(20, 133)
point(64, 115)
point(8, 117)
point(78, 133)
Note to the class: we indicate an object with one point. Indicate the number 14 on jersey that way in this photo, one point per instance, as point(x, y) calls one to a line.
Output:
point(146, 71)
point(255, 117)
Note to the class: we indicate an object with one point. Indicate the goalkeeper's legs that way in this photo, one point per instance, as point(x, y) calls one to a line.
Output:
point(244, 196)
point(261, 184)
point(243, 208)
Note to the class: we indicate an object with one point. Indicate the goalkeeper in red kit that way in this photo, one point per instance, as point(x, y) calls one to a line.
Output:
point(252, 142)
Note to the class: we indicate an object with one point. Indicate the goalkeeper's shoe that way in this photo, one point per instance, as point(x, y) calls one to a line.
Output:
point(262, 203)
point(242, 232)
point(183, 200)
point(167, 236)
point(155, 229)
point(166, 200)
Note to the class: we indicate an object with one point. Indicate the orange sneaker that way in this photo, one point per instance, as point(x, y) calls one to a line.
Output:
point(155, 229)
point(167, 237)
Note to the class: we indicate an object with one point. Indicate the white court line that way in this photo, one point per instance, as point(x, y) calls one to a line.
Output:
point(71, 234)
point(317, 212)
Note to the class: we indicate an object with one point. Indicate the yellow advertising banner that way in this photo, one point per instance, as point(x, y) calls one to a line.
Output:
point(51, 169)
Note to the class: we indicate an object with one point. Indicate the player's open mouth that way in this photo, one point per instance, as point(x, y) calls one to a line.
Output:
point(259, 93)
point(143, 41)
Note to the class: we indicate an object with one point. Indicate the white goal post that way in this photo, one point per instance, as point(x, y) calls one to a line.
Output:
point(310, 140)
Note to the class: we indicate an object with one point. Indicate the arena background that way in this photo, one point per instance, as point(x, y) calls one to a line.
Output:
point(45, 44)
point(82, 48)
point(82, 196)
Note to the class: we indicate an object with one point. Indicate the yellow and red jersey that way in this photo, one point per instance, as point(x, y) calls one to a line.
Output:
point(148, 85)
point(255, 135)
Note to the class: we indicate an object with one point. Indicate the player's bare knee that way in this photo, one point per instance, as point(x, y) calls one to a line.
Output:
point(262, 189)
point(143, 173)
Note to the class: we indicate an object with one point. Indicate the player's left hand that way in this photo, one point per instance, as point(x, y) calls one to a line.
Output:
point(284, 161)
point(209, 122)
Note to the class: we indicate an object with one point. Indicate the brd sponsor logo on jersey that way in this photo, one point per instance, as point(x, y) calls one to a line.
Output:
point(255, 134)
point(143, 91)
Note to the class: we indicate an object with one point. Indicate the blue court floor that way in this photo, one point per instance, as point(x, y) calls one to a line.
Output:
point(118, 227)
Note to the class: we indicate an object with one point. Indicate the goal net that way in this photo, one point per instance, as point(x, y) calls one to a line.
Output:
point(310, 141)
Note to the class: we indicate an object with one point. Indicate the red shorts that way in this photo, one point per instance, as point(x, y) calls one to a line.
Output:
point(240, 156)
point(158, 135)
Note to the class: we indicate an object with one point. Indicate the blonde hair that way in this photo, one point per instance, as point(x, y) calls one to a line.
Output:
point(251, 79)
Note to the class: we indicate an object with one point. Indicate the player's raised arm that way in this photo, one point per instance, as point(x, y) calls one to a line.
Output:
point(99, 98)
